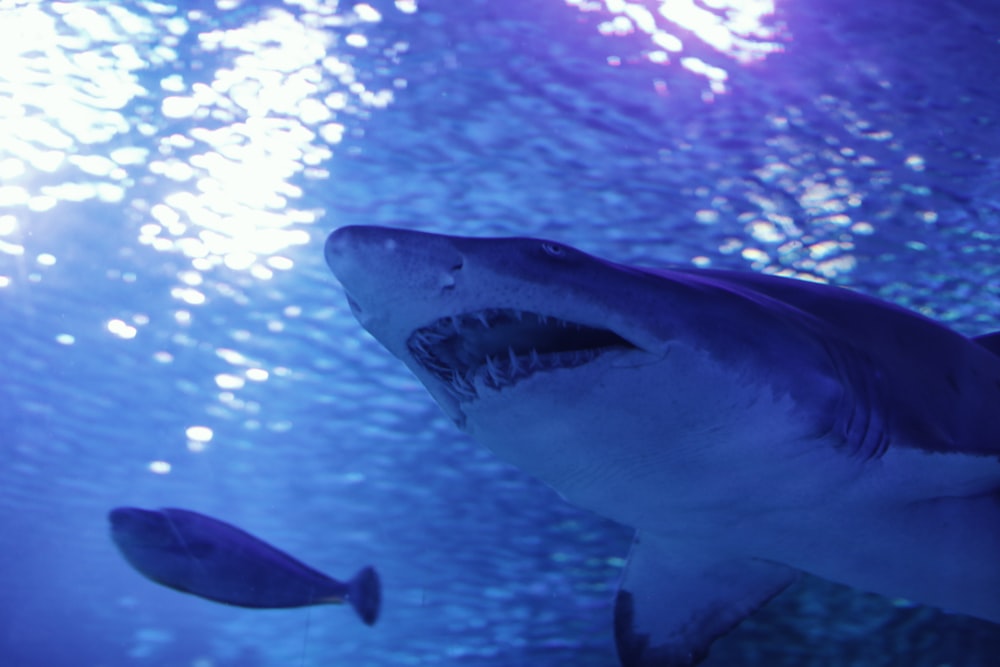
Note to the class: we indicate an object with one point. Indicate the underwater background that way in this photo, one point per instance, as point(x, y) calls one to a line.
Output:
point(171, 337)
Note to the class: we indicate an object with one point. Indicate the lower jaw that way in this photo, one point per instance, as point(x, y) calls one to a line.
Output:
point(506, 374)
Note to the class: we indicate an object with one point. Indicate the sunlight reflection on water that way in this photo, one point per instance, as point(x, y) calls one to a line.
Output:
point(204, 125)
point(262, 122)
point(230, 141)
point(740, 29)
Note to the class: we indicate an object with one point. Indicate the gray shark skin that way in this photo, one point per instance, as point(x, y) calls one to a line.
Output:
point(748, 427)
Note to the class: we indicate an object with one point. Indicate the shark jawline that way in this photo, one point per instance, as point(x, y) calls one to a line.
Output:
point(502, 346)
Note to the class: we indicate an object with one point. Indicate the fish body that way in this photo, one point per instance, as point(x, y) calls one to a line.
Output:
point(749, 427)
point(197, 554)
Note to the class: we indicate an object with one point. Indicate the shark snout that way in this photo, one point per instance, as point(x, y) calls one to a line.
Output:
point(379, 256)
point(392, 274)
point(399, 280)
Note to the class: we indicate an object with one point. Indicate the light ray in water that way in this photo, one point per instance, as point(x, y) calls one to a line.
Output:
point(743, 30)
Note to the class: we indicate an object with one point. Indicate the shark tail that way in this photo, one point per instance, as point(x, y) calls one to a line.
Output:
point(364, 592)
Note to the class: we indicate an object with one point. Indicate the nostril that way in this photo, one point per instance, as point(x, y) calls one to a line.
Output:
point(447, 280)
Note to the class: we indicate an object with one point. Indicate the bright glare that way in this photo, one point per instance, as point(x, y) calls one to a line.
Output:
point(738, 29)
point(159, 467)
point(121, 329)
point(233, 205)
point(257, 374)
point(232, 144)
point(199, 433)
point(61, 98)
point(227, 381)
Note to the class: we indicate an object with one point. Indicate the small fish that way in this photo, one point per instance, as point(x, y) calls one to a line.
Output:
point(197, 554)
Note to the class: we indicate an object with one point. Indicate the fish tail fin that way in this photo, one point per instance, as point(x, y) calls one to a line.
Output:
point(364, 592)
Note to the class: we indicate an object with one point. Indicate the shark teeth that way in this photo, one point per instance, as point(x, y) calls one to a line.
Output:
point(497, 347)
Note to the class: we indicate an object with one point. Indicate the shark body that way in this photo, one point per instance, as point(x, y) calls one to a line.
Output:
point(748, 427)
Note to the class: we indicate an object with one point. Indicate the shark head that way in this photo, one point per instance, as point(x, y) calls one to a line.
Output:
point(474, 317)
point(559, 360)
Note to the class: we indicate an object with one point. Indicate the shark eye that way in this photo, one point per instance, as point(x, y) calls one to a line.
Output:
point(553, 249)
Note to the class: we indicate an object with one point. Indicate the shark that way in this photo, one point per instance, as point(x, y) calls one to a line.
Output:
point(749, 427)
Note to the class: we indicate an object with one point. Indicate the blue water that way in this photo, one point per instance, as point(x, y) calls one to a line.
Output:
point(171, 337)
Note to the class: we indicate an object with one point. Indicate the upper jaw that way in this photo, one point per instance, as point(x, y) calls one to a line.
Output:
point(494, 348)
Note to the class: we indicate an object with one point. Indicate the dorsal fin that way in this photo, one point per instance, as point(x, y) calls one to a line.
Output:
point(990, 341)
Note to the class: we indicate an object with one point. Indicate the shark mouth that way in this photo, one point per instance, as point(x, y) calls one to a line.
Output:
point(500, 347)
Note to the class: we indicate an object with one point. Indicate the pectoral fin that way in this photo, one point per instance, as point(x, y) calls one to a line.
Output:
point(671, 604)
